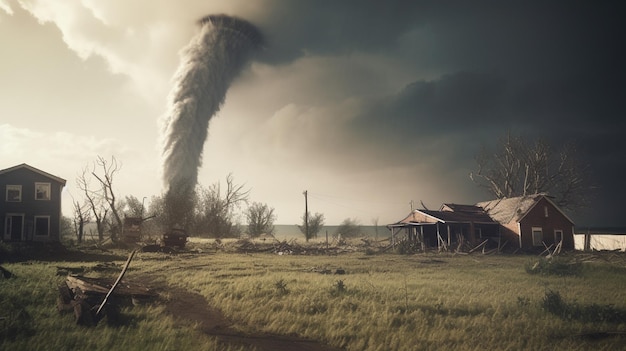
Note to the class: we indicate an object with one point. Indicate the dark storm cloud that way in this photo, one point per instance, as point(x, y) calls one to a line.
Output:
point(326, 27)
point(542, 69)
point(455, 101)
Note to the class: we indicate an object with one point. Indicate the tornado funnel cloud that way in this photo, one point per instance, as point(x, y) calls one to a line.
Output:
point(210, 62)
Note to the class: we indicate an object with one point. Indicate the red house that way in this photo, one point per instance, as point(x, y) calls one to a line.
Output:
point(30, 204)
point(530, 222)
point(533, 220)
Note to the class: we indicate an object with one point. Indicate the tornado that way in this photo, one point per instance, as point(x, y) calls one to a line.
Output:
point(210, 62)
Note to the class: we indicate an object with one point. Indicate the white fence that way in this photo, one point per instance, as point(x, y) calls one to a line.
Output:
point(601, 242)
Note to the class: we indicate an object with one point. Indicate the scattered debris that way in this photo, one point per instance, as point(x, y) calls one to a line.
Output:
point(93, 298)
point(175, 238)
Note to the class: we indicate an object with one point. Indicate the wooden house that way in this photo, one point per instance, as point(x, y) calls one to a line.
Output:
point(534, 221)
point(527, 222)
point(451, 225)
point(30, 204)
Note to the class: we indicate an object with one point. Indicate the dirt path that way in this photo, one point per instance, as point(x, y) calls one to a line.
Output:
point(191, 307)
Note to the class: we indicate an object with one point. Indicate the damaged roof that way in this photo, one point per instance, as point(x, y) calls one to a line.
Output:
point(512, 209)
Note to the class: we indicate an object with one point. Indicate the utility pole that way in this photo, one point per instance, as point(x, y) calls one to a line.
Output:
point(306, 215)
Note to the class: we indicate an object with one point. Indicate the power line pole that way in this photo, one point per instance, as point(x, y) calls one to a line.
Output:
point(306, 215)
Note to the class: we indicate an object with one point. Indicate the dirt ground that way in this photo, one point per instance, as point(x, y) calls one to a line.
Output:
point(189, 307)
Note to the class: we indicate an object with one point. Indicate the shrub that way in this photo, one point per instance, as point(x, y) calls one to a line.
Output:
point(554, 266)
point(594, 313)
point(339, 288)
point(408, 247)
point(281, 287)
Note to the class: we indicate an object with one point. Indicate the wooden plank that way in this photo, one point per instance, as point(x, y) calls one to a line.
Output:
point(88, 287)
point(479, 246)
point(130, 257)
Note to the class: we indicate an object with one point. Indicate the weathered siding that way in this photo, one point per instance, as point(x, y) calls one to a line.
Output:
point(29, 206)
point(536, 217)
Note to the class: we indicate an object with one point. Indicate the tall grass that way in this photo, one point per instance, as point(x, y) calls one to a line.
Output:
point(382, 302)
point(403, 303)
point(30, 320)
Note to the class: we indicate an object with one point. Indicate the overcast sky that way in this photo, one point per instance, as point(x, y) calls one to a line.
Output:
point(366, 104)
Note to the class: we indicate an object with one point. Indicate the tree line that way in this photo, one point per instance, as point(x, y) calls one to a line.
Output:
point(516, 166)
point(218, 210)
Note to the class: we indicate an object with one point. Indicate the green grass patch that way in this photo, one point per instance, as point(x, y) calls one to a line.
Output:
point(381, 302)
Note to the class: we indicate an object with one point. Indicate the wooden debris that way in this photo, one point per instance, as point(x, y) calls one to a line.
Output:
point(93, 298)
point(116, 282)
point(479, 246)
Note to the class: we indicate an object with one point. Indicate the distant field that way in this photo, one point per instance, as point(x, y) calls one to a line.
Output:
point(598, 241)
point(288, 232)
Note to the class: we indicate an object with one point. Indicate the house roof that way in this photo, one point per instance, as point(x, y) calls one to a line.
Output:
point(476, 216)
point(33, 169)
point(494, 211)
point(459, 216)
point(463, 208)
point(512, 209)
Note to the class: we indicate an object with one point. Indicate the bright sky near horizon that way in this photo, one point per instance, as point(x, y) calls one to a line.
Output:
point(368, 105)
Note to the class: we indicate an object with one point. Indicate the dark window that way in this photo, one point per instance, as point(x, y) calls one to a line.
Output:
point(14, 193)
point(558, 235)
point(537, 236)
point(42, 225)
point(42, 191)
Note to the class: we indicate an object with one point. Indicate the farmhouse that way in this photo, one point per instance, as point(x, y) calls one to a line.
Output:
point(531, 222)
point(30, 204)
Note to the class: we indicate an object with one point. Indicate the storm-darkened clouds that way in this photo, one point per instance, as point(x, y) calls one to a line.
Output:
point(552, 70)
point(372, 99)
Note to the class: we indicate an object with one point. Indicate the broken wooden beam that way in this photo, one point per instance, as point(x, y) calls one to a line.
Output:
point(119, 278)
point(479, 246)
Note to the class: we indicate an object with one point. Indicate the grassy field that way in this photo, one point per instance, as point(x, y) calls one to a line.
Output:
point(376, 302)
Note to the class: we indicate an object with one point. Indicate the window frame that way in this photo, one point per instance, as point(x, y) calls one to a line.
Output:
point(35, 229)
point(8, 224)
point(48, 192)
point(535, 230)
point(13, 187)
point(560, 231)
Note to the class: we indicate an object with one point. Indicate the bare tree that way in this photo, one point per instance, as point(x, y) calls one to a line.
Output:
point(260, 219)
point(215, 208)
point(94, 202)
point(104, 171)
point(82, 216)
point(316, 223)
point(519, 167)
